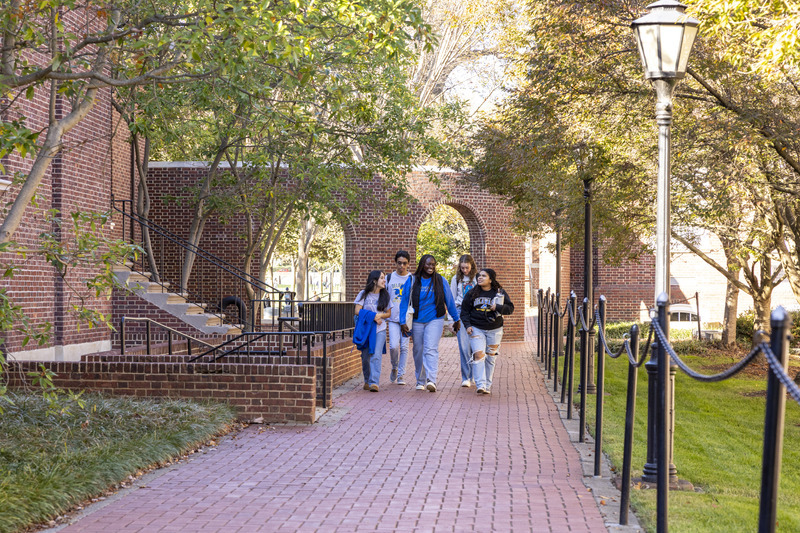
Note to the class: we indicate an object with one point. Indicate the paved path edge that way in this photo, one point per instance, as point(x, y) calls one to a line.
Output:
point(602, 487)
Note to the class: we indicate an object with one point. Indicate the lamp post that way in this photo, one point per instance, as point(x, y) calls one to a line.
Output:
point(665, 37)
point(582, 155)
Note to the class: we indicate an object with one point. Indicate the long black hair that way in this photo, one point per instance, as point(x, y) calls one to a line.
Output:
point(476, 290)
point(436, 279)
point(383, 296)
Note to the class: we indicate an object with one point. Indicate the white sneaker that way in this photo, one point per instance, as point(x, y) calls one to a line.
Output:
point(420, 387)
point(401, 381)
point(466, 383)
point(431, 386)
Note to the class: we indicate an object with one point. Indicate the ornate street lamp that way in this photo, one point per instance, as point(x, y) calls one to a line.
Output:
point(665, 37)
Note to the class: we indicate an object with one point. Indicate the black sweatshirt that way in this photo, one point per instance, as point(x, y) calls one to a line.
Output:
point(477, 310)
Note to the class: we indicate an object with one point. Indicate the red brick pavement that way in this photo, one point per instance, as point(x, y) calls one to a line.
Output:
point(398, 460)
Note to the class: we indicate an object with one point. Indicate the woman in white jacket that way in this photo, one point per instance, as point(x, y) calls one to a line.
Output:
point(461, 284)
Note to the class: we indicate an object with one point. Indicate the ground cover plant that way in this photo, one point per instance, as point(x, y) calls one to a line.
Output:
point(718, 442)
point(52, 460)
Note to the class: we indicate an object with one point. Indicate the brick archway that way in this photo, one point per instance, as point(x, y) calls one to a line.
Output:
point(378, 233)
point(476, 226)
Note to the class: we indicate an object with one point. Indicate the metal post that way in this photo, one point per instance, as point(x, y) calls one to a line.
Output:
point(559, 331)
point(546, 325)
point(539, 328)
point(573, 302)
point(147, 328)
point(773, 425)
point(598, 419)
point(325, 365)
point(122, 334)
point(699, 326)
point(664, 90)
point(630, 414)
point(584, 371)
point(588, 282)
point(169, 342)
point(662, 424)
point(559, 342)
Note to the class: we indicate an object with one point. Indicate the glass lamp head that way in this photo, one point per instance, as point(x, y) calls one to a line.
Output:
point(665, 36)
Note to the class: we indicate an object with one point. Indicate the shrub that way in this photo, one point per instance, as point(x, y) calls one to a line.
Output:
point(745, 326)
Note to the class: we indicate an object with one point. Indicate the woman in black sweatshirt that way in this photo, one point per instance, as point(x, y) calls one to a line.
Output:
point(482, 313)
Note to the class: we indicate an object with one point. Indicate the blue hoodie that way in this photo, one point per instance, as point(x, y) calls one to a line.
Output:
point(365, 333)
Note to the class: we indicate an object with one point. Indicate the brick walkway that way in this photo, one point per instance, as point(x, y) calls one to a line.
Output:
point(398, 460)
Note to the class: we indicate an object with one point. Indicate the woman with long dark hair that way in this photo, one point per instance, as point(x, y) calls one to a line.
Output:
point(373, 307)
point(482, 314)
point(429, 299)
point(460, 285)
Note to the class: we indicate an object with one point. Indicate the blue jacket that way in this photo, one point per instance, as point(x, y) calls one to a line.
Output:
point(364, 336)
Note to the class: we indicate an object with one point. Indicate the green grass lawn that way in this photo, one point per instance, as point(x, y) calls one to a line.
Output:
point(718, 444)
point(51, 462)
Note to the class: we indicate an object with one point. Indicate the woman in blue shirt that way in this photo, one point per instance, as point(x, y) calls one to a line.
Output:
point(429, 299)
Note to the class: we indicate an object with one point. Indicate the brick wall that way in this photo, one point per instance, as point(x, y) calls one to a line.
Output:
point(93, 163)
point(371, 241)
point(274, 392)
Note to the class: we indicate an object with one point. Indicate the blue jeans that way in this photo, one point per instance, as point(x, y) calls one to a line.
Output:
point(486, 341)
point(371, 363)
point(465, 353)
point(398, 348)
point(426, 349)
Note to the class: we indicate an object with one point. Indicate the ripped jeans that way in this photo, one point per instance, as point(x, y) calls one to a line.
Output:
point(485, 344)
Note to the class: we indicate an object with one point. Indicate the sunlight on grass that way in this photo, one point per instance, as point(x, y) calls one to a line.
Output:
point(49, 463)
point(718, 447)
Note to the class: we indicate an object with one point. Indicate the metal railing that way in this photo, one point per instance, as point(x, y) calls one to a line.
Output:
point(779, 383)
point(149, 322)
point(303, 315)
point(273, 343)
point(219, 284)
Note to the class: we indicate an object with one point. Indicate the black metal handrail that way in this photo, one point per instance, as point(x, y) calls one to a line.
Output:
point(238, 278)
point(779, 383)
point(148, 338)
point(250, 337)
point(306, 315)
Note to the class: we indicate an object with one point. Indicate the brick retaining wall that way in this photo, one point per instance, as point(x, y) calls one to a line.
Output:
point(274, 392)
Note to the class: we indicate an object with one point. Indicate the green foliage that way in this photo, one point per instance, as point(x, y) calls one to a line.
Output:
point(79, 244)
point(745, 326)
point(445, 235)
point(51, 461)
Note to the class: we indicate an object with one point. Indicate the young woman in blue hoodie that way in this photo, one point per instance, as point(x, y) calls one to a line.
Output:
point(431, 298)
point(375, 299)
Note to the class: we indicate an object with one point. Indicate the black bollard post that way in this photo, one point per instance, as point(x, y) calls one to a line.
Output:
point(598, 418)
point(539, 328)
point(630, 413)
point(584, 369)
point(773, 425)
point(559, 341)
point(122, 326)
point(573, 302)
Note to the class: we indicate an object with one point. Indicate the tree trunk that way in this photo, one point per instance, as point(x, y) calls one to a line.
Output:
point(201, 214)
point(731, 310)
point(143, 203)
point(308, 229)
point(51, 147)
point(761, 308)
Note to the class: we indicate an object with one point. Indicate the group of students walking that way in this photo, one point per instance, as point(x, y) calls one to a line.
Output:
point(414, 306)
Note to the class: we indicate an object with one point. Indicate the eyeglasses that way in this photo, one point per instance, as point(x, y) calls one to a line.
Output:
point(402, 263)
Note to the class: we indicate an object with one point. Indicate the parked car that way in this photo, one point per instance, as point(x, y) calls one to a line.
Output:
point(682, 316)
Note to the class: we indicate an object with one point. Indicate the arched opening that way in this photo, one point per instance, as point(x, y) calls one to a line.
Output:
point(447, 232)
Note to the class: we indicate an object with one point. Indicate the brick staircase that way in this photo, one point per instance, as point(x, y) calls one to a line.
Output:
point(173, 303)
